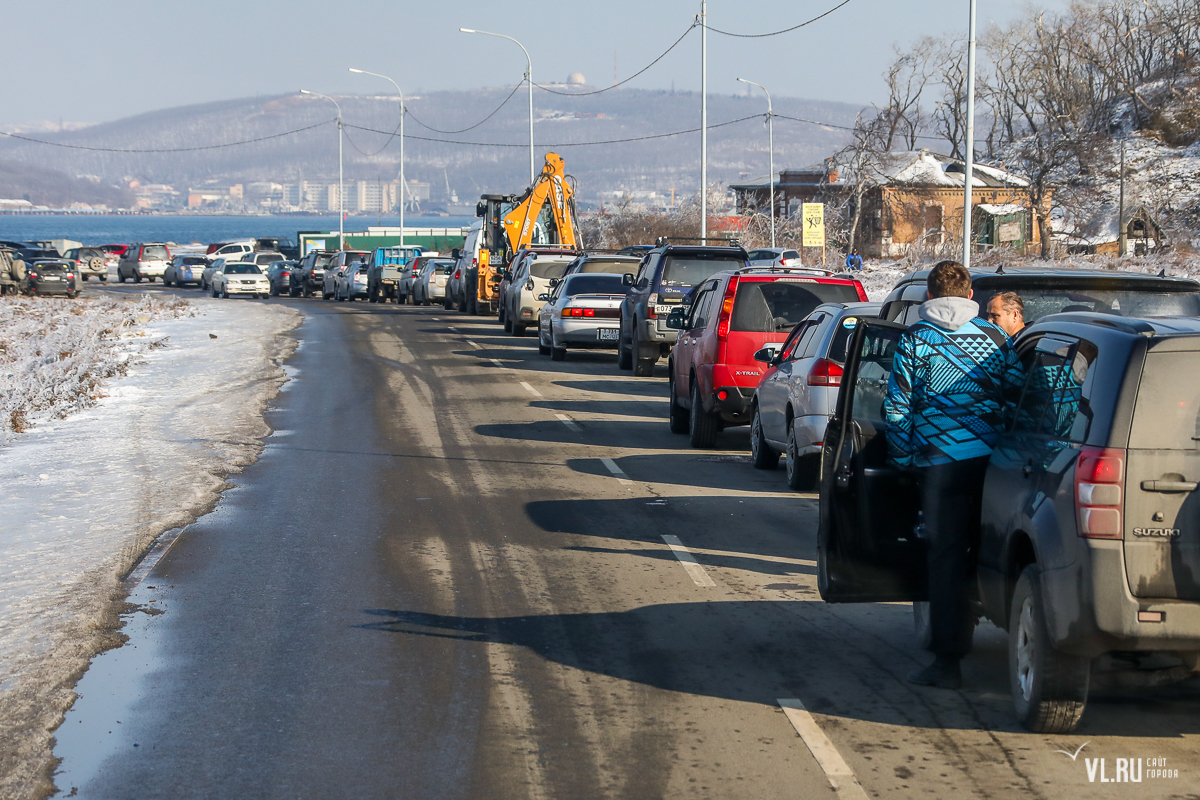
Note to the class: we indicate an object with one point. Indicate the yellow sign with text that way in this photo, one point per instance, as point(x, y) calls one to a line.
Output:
point(813, 234)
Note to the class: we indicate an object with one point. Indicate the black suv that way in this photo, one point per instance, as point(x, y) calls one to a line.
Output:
point(1090, 523)
point(664, 278)
point(309, 275)
point(1050, 291)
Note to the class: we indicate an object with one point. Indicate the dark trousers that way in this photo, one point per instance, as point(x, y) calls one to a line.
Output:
point(951, 496)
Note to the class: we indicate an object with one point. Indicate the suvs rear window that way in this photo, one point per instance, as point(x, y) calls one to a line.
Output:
point(691, 270)
point(154, 251)
point(771, 306)
point(616, 267)
point(51, 268)
point(1106, 296)
point(594, 284)
point(1166, 415)
point(547, 269)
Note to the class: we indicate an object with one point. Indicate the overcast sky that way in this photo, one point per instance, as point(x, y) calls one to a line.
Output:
point(91, 62)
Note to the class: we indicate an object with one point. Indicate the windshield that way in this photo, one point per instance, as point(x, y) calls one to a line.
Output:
point(155, 251)
point(594, 284)
point(613, 266)
point(691, 270)
point(770, 306)
point(547, 268)
point(1104, 295)
point(321, 261)
point(242, 269)
point(194, 260)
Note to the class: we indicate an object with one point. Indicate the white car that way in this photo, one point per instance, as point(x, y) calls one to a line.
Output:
point(143, 261)
point(351, 281)
point(531, 275)
point(240, 277)
point(430, 284)
point(583, 311)
point(774, 257)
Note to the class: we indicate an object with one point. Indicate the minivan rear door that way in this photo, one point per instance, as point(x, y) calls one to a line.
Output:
point(867, 545)
point(1162, 503)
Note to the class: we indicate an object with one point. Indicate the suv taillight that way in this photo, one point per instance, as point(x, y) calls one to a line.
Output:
point(1099, 476)
point(825, 373)
point(726, 310)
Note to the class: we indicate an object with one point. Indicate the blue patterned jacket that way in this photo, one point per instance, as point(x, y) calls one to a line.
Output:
point(952, 374)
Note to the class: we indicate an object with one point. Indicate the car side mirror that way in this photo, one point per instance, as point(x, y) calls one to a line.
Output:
point(677, 319)
point(766, 355)
point(455, 254)
point(543, 297)
point(554, 282)
point(627, 279)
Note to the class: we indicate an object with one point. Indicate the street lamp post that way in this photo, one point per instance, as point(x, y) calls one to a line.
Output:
point(969, 166)
point(770, 152)
point(529, 78)
point(341, 174)
point(704, 121)
point(403, 183)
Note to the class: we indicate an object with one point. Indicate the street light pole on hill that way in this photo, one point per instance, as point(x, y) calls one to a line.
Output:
point(770, 153)
point(403, 184)
point(528, 77)
point(341, 174)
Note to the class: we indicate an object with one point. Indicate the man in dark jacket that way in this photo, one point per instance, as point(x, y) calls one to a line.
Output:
point(945, 408)
point(854, 261)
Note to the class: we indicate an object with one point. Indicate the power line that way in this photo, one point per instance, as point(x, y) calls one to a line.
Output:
point(477, 124)
point(568, 144)
point(165, 149)
point(845, 127)
point(631, 77)
point(776, 33)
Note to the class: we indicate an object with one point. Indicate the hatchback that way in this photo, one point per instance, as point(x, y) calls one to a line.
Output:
point(795, 396)
point(143, 261)
point(55, 276)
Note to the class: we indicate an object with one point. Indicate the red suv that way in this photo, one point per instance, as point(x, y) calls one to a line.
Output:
point(731, 317)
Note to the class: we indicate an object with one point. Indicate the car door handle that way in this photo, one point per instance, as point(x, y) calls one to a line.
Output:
point(1168, 486)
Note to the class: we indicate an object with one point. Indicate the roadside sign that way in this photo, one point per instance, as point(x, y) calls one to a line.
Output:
point(813, 215)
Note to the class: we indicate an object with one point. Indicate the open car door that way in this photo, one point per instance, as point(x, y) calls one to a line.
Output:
point(868, 550)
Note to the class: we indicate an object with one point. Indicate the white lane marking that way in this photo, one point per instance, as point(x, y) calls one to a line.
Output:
point(499, 363)
point(615, 470)
point(837, 771)
point(531, 390)
point(570, 423)
point(454, 329)
point(696, 572)
point(473, 344)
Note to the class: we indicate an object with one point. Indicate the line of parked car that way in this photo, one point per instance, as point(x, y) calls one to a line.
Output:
point(1089, 546)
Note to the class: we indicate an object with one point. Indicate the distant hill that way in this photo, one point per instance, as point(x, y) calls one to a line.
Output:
point(735, 151)
point(50, 187)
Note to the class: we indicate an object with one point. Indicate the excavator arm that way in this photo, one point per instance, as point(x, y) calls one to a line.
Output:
point(545, 213)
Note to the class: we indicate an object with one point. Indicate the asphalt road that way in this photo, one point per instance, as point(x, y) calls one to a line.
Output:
point(433, 585)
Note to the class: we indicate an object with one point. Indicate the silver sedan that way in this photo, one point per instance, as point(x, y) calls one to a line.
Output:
point(581, 311)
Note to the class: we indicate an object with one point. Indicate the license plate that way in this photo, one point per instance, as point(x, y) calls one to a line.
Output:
point(661, 309)
point(608, 334)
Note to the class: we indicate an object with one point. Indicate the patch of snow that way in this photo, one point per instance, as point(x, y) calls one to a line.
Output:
point(83, 500)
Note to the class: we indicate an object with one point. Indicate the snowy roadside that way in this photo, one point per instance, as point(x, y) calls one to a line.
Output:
point(85, 495)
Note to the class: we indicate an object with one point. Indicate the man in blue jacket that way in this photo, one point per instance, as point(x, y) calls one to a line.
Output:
point(854, 261)
point(945, 408)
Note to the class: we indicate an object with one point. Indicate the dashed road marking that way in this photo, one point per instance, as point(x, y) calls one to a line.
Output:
point(615, 470)
point(837, 771)
point(570, 423)
point(531, 390)
point(499, 363)
point(696, 572)
point(454, 329)
point(476, 345)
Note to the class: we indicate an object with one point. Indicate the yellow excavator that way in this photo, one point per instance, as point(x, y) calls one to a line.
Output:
point(544, 215)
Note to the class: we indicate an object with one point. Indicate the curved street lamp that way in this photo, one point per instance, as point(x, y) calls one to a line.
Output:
point(341, 181)
point(770, 153)
point(403, 185)
point(528, 77)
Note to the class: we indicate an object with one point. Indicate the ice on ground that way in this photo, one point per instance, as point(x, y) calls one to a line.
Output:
point(83, 498)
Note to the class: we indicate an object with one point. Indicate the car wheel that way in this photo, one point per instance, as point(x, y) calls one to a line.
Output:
point(85, 278)
point(137, 277)
point(166, 283)
point(72, 295)
point(762, 455)
point(1049, 687)
point(678, 414)
point(624, 352)
point(120, 276)
point(213, 291)
point(802, 471)
point(518, 330)
point(508, 326)
point(104, 279)
point(150, 278)
point(642, 367)
point(702, 425)
point(446, 302)
point(556, 353)
point(293, 291)
point(224, 291)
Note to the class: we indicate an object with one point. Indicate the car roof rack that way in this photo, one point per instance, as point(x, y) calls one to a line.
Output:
point(776, 268)
point(730, 241)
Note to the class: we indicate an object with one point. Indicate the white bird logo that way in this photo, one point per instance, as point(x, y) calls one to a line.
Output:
point(1076, 753)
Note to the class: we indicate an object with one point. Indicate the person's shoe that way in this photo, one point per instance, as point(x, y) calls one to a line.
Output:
point(943, 673)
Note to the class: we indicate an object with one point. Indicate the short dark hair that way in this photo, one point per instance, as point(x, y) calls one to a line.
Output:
point(1013, 302)
point(949, 279)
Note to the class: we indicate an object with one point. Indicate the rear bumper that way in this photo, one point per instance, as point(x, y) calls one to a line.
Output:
point(656, 330)
point(584, 335)
point(735, 406)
